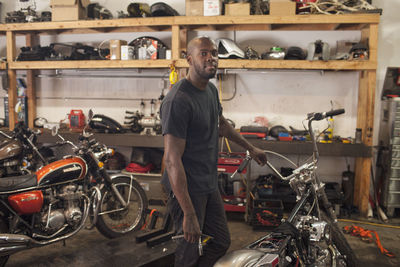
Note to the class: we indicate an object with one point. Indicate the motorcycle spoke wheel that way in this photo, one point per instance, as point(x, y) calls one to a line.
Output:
point(130, 218)
point(340, 242)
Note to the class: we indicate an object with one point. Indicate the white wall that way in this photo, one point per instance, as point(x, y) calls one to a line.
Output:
point(283, 97)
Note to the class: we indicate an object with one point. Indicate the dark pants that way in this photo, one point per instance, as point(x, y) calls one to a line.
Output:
point(212, 219)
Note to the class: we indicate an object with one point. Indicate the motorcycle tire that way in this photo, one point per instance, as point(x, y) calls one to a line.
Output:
point(3, 229)
point(339, 240)
point(119, 223)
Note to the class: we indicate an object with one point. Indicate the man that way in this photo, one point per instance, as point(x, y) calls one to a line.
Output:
point(192, 121)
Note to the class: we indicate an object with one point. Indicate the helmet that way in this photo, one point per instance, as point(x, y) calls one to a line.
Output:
point(295, 52)
point(160, 9)
point(274, 131)
point(228, 49)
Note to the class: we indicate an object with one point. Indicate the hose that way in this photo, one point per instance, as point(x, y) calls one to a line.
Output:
point(370, 223)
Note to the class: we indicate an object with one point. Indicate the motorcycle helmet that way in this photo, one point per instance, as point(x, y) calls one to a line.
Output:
point(295, 52)
point(228, 49)
point(274, 131)
point(160, 9)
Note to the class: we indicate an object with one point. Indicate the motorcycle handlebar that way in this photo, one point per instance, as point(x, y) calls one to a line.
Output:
point(317, 116)
point(242, 165)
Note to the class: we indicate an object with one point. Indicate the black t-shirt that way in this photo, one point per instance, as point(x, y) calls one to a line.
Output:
point(193, 114)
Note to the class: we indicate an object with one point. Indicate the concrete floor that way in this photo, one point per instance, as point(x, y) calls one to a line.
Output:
point(90, 248)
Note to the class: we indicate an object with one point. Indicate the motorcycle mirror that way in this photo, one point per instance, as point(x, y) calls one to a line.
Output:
point(90, 115)
point(54, 130)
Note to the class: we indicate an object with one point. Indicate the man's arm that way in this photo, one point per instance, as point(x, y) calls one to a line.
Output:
point(226, 130)
point(173, 151)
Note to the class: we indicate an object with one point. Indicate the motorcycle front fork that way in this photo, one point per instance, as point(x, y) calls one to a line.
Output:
point(109, 184)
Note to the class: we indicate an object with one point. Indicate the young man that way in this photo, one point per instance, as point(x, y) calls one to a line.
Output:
point(192, 121)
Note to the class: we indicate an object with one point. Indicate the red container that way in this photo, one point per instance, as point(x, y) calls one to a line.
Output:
point(26, 203)
point(76, 119)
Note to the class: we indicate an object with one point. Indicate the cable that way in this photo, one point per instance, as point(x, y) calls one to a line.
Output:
point(370, 223)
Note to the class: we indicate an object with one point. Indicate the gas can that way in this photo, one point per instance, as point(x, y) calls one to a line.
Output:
point(76, 119)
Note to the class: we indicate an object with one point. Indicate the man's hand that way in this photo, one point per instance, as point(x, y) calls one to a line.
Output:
point(191, 228)
point(258, 155)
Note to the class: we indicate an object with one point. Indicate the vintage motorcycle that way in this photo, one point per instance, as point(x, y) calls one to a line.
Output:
point(54, 203)
point(310, 235)
point(18, 152)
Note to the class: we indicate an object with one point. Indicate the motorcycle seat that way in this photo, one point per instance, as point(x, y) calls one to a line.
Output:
point(17, 182)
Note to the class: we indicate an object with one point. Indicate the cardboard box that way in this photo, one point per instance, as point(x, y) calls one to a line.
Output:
point(115, 48)
point(63, 10)
point(212, 7)
point(194, 7)
point(237, 9)
point(282, 8)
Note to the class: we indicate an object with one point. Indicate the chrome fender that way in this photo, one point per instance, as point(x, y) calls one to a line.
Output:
point(240, 258)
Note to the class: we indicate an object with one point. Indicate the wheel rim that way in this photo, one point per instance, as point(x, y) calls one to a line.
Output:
point(127, 219)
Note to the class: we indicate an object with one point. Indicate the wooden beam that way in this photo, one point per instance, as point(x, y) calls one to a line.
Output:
point(365, 121)
point(373, 43)
point(12, 79)
point(12, 98)
point(30, 83)
point(176, 42)
point(11, 49)
point(361, 122)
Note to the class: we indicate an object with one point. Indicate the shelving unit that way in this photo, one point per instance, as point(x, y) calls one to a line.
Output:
point(179, 27)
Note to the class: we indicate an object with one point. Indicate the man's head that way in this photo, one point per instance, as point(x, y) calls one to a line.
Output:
point(202, 56)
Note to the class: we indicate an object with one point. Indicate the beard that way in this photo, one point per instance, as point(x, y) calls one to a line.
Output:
point(204, 72)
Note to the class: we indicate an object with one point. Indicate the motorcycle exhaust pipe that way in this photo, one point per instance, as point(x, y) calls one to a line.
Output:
point(11, 243)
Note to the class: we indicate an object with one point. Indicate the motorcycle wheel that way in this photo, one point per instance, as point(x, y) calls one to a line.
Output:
point(130, 219)
point(3, 229)
point(340, 241)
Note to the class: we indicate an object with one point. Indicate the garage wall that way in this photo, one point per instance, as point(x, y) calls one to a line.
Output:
point(283, 97)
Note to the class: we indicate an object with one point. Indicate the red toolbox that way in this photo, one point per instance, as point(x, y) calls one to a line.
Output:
point(227, 165)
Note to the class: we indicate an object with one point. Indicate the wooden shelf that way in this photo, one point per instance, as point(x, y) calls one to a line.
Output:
point(181, 63)
point(297, 22)
point(3, 65)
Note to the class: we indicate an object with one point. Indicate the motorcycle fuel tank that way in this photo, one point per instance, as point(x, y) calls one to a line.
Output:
point(62, 171)
point(9, 149)
point(26, 203)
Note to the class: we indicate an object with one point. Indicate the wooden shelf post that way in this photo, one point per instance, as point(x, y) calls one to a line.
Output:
point(12, 76)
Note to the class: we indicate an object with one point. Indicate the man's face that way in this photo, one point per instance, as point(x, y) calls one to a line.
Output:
point(205, 59)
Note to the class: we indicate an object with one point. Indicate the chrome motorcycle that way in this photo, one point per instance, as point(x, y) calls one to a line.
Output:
point(310, 235)
point(56, 201)
point(18, 152)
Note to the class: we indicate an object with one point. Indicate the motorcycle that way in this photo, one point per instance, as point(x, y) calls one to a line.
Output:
point(19, 154)
point(310, 235)
point(55, 202)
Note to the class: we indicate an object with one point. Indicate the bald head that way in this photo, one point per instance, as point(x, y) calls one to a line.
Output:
point(197, 42)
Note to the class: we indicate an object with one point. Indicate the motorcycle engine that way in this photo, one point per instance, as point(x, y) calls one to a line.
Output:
point(319, 230)
point(65, 211)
